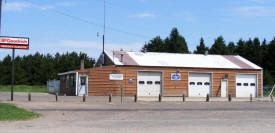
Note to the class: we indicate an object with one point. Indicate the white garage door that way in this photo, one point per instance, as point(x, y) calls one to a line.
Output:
point(199, 84)
point(246, 84)
point(149, 83)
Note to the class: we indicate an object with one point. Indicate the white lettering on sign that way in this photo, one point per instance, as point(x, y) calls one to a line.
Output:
point(14, 42)
point(116, 76)
point(11, 40)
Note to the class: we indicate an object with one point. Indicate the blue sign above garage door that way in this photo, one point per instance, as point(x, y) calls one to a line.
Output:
point(175, 76)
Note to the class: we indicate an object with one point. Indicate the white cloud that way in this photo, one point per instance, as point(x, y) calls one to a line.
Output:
point(145, 15)
point(20, 6)
point(98, 45)
point(261, 1)
point(254, 11)
point(188, 16)
point(66, 4)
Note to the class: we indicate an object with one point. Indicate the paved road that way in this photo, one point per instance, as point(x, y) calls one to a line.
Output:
point(145, 117)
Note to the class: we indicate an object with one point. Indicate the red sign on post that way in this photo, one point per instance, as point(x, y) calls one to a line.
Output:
point(14, 42)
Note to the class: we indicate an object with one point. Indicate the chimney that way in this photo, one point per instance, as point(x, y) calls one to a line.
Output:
point(121, 58)
point(82, 64)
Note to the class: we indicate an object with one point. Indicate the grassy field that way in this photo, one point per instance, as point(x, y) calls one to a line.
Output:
point(266, 94)
point(23, 88)
point(10, 112)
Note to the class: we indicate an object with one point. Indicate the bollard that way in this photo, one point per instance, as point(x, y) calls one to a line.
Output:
point(271, 98)
point(121, 89)
point(56, 97)
point(29, 97)
point(183, 97)
point(110, 97)
point(229, 97)
point(250, 97)
point(207, 98)
point(84, 98)
point(135, 97)
point(159, 97)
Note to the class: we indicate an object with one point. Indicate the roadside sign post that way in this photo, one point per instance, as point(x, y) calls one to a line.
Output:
point(12, 73)
point(13, 43)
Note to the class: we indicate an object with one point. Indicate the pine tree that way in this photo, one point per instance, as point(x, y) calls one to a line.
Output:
point(177, 43)
point(241, 47)
point(155, 45)
point(219, 47)
point(231, 48)
point(201, 49)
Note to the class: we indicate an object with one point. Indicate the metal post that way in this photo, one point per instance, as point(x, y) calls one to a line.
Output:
point(160, 98)
point(183, 97)
point(121, 88)
point(84, 98)
point(135, 97)
point(0, 15)
point(207, 98)
point(56, 97)
point(229, 97)
point(250, 97)
point(103, 49)
point(12, 74)
point(110, 97)
point(29, 97)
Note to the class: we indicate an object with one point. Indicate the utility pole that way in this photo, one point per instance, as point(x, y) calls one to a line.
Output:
point(0, 15)
point(103, 35)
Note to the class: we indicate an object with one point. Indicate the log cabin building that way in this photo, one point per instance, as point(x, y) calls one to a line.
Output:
point(168, 74)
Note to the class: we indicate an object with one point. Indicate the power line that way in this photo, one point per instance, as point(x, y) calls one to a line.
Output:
point(92, 23)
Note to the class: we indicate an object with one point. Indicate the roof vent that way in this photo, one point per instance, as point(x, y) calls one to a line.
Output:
point(121, 58)
point(206, 53)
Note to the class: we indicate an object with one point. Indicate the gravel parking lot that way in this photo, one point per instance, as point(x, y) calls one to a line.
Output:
point(70, 115)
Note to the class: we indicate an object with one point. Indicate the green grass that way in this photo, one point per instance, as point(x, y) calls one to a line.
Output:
point(24, 88)
point(9, 112)
point(266, 93)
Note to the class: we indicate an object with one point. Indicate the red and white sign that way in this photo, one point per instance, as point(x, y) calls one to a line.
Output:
point(14, 42)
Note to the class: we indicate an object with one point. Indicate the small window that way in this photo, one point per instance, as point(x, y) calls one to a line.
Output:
point(206, 83)
point(192, 83)
point(157, 82)
point(83, 80)
point(252, 84)
point(141, 82)
point(149, 82)
point(239, 84)
point(199, 83)
point(245, 84)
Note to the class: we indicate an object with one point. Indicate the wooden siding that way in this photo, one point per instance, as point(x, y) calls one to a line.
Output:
point(99, 83)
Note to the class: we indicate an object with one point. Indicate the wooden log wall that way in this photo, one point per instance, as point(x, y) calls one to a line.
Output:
point(99, 83)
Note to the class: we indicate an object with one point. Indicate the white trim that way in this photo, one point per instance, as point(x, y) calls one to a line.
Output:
point(262, 81)
point(226, 87)
point(76, 83)
point(87, 83)
point(211, 78)
point(65, 73)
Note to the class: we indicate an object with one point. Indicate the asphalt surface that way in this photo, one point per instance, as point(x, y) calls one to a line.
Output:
point(74, 116)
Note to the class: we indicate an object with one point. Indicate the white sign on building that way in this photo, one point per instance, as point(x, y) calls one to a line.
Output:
point(116, 76)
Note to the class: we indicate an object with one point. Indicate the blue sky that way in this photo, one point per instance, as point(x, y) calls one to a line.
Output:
point(71, 25)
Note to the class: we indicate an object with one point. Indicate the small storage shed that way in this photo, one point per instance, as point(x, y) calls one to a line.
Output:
point(169, 74)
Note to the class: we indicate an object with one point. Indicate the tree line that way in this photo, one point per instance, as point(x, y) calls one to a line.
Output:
point(260, 53)
point(36, 69)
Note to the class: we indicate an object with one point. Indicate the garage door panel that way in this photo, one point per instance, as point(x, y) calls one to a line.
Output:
point(199, 84)
point(246, 84)
point(149, 83)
